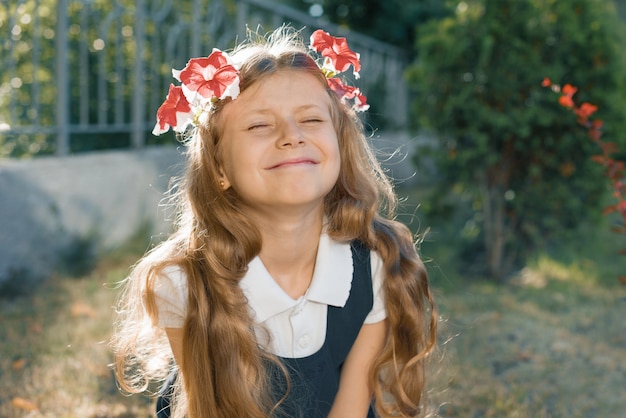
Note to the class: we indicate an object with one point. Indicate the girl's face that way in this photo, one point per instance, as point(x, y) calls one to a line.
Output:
point(279, 148)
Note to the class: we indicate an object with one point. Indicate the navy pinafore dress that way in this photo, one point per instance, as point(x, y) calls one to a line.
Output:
point(315, 379)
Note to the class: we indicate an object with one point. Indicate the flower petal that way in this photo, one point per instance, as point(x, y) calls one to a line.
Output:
point(205, 78)
point(175, 112)
point(337, 50)
point(343, 91)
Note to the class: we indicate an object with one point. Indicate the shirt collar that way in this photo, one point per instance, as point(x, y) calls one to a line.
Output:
point(331, 283)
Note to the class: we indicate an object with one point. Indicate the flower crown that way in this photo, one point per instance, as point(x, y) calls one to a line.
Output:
point(205, 81)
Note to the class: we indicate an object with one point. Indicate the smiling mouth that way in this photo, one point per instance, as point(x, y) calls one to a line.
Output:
point(292, 163)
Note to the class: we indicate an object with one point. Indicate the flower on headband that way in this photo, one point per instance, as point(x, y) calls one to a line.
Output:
point(348, 93)
point(206, 78)
point(338, 56)
point(175, 112)
point(203, 82)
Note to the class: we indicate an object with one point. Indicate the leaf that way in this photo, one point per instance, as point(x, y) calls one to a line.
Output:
point(19, 364)
point(566, 101)
point(619, 229)
point(81, 309)
point(569, 90)
point(609, 209)
point(24, 404)
point(36, 327)
point(609, 147)
point(600, 159)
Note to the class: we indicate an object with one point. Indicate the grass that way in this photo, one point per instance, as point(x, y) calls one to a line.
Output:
point(550, 343)
point(53, 348)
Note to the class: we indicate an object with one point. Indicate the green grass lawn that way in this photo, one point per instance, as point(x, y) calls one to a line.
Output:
point(549, 343)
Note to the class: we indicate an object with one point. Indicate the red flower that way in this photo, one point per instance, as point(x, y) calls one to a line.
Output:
point(348, 93)
point(175, 112)
point(209, 77)
point(338, 55)
point(546, 82)
point(342, 90)
point(360, 103)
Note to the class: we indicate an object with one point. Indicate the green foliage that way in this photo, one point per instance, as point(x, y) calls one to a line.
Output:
point(392, 21)
point(102, 52)
point(18, 77)
point(504, 141)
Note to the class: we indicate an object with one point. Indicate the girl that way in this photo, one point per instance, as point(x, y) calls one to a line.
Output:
point(287, 288)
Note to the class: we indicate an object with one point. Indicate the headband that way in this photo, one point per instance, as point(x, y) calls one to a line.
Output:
point(206, 81)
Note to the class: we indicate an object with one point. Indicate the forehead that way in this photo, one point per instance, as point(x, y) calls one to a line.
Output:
point(285, 87)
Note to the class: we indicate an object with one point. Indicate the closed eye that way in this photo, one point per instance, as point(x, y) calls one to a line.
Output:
point(258, 126)
point(313, 120)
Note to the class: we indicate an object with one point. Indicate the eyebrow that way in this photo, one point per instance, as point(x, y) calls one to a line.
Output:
point(264, 110)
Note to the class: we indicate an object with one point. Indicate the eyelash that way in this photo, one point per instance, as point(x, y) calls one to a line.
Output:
point(263, 125)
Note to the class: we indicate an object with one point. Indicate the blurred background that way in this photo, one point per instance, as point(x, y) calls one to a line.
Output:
point(516, 199)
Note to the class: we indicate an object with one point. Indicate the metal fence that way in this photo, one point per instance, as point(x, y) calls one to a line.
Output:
point(71, 68)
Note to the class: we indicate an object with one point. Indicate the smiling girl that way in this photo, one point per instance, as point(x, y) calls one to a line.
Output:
point(287, 289)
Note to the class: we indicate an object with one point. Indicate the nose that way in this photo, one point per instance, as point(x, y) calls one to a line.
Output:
point(291, 135)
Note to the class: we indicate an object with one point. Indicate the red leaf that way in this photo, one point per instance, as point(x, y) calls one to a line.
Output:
point(19, 364)
point(566, 101)
point(609, 209)
point(595, 133)
point(609, 147)
point(23, 404)
point(569, 90)
point(584, 111)
point(600, 159)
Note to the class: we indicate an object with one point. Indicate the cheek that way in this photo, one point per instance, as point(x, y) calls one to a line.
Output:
point(336, 165)
point(241, 163)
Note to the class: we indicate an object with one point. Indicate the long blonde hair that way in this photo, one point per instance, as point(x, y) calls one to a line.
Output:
point(223, 368)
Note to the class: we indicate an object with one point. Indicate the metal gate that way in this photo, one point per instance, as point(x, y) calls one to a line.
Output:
point(70, 69)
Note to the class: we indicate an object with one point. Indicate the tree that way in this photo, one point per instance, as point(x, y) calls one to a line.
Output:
point(391, 21)
point(503, 140)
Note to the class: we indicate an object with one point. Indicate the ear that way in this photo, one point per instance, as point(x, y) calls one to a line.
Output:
point(223, 180)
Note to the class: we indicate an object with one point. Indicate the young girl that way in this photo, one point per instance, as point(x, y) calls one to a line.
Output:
point(287, 289)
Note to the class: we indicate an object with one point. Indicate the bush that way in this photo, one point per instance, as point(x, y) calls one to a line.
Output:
point(503, 139)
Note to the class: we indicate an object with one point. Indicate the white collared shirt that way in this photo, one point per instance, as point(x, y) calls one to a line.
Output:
point(286, 327)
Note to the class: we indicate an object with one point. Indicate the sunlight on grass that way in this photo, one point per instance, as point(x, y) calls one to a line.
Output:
point(552, 346)
point(53, 348)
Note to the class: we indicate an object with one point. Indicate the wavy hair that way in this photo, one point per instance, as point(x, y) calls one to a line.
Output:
point(223, 370)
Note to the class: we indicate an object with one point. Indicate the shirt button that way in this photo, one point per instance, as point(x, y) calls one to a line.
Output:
point(304, 341)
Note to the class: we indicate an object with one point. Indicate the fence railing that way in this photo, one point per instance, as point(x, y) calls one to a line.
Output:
point(70, 69)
